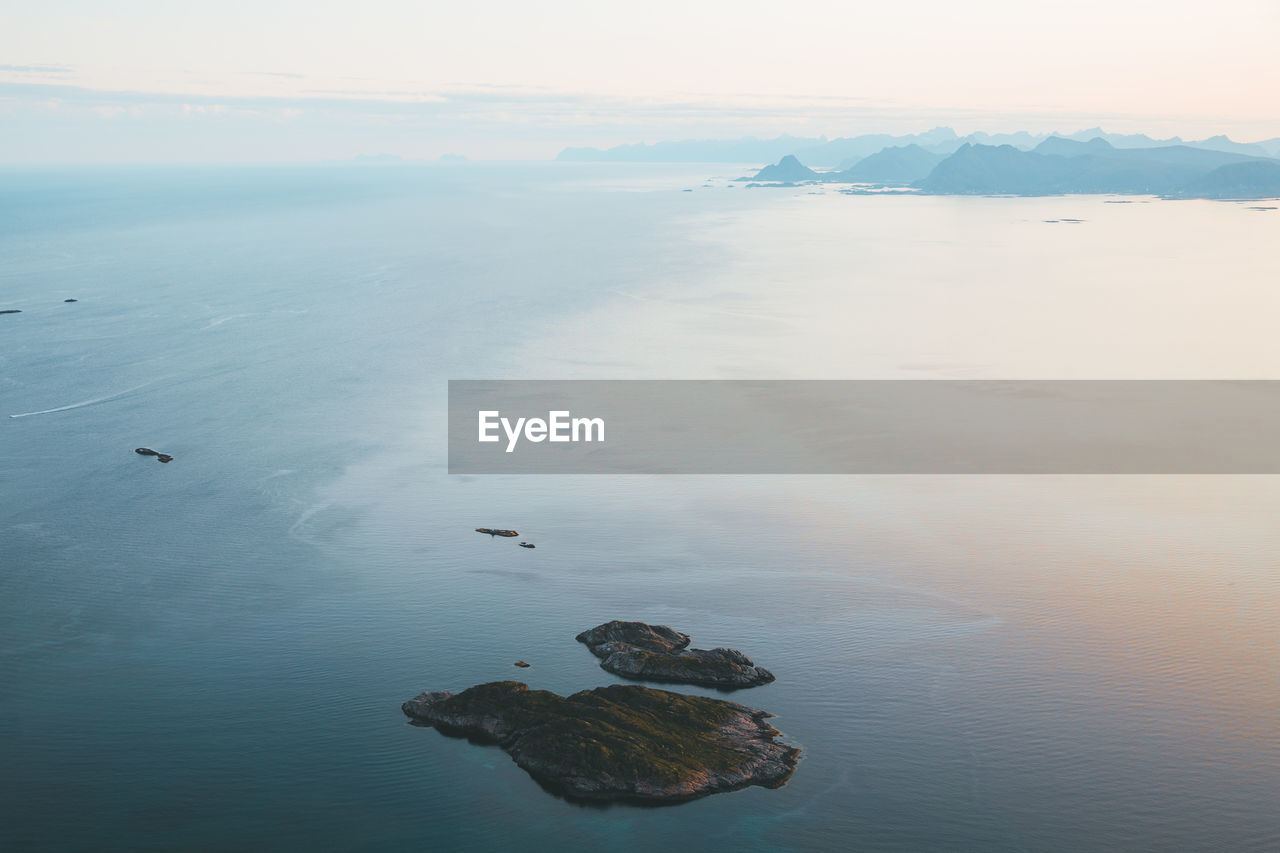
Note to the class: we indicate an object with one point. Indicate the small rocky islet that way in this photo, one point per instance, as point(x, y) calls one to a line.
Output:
point(506, 534)
point(658, 653)
point(19, 310)
point(622, 742)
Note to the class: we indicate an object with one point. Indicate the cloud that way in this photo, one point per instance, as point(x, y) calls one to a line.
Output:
point(36, 69)
point(491, 108)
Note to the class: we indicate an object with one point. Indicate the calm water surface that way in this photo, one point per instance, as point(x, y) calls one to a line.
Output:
point(211, 654)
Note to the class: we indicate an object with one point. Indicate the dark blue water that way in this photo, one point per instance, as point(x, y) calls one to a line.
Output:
point(211, 654)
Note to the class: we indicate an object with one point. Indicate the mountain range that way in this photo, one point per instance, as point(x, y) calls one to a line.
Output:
point(1057, 165)
point(846, 152)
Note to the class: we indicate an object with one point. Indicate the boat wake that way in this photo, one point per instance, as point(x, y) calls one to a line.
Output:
point(95, 401)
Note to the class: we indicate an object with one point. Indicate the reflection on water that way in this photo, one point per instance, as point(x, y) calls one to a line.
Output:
point(212, 653)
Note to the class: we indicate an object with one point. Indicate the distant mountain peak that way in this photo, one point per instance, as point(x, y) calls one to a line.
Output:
point(788, 169)
point(1065, 147)
point(899, 165)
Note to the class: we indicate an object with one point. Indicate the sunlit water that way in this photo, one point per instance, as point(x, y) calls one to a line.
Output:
point(211, 654)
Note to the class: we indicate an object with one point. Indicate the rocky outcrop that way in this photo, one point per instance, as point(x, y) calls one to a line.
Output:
point(496, 532)
point(11, 311)
point(147, 451)
point(621, 742)
point(658, 653)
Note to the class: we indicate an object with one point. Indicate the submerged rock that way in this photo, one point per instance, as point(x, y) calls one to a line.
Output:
point(147, 451)
point(71, 300)
point(621, 742)
point(496, 532)
point(527, 545)
point(11, 311)
point(658, 653)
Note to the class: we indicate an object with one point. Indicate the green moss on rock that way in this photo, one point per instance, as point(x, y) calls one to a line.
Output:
point(618, 742)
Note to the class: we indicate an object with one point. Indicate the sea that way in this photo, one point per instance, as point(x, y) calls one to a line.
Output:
point(211, 654)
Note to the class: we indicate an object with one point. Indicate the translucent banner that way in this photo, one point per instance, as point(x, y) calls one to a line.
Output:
point(864, 427)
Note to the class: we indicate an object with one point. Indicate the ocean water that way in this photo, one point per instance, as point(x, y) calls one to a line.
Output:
point(211, 654)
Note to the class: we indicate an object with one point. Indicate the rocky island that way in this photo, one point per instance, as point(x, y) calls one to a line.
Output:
point(622, 742)
point(493, 531)
point(658, 653)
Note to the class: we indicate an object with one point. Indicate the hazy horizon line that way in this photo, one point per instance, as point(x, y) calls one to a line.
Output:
point(68, 122)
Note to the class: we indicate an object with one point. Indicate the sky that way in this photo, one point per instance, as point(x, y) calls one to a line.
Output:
point(285, 80)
